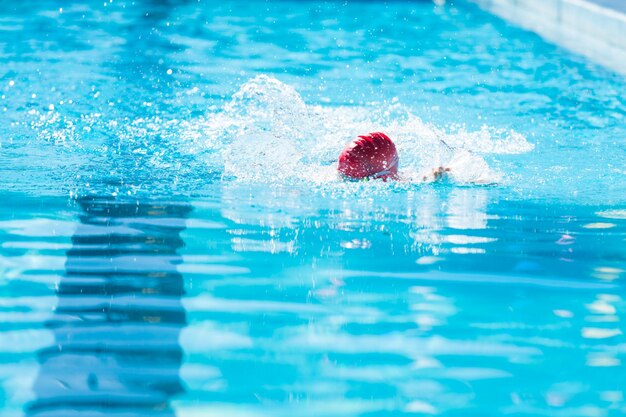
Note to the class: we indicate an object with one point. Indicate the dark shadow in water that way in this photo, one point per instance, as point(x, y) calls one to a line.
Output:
point(119, 315)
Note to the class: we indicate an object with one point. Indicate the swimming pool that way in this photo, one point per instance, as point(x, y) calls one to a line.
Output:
point(173, 240)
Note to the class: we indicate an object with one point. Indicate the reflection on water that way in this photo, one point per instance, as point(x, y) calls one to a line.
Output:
point(457, 228)
point(433, 302)
point(296, 304)
point(119, 314)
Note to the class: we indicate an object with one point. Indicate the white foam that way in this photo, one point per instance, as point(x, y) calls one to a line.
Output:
point(267, 133)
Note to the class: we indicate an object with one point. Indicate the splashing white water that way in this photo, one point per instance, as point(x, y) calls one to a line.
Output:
point(268, 133)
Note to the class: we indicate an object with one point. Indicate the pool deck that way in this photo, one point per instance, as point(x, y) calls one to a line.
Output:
point(595, 29)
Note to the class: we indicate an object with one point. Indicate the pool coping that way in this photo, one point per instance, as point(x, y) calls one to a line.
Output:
point(592, 28)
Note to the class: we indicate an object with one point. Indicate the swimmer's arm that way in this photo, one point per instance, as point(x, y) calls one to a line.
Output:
point(437, 174)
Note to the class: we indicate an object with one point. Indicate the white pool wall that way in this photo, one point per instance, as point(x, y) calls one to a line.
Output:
point(595, 29)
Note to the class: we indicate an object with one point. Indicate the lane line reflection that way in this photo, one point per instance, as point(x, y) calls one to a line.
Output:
point(119, 314)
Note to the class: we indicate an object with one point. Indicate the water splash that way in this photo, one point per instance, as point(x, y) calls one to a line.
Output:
point(267, 133)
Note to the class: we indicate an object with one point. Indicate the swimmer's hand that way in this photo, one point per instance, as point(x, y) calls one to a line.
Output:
point(437, 174)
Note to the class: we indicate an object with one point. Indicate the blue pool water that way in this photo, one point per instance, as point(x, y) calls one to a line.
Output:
point(174, 241)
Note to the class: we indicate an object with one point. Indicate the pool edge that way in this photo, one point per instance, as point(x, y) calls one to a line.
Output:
point(585, 27)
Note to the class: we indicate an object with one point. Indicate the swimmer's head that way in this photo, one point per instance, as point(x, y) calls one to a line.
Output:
point(369, 156)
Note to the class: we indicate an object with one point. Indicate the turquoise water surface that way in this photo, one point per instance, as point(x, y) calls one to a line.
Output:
point(174, 239)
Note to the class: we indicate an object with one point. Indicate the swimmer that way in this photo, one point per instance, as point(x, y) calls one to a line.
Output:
point(375, 156)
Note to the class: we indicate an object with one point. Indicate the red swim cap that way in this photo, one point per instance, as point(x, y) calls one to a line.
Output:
point(369, 156)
